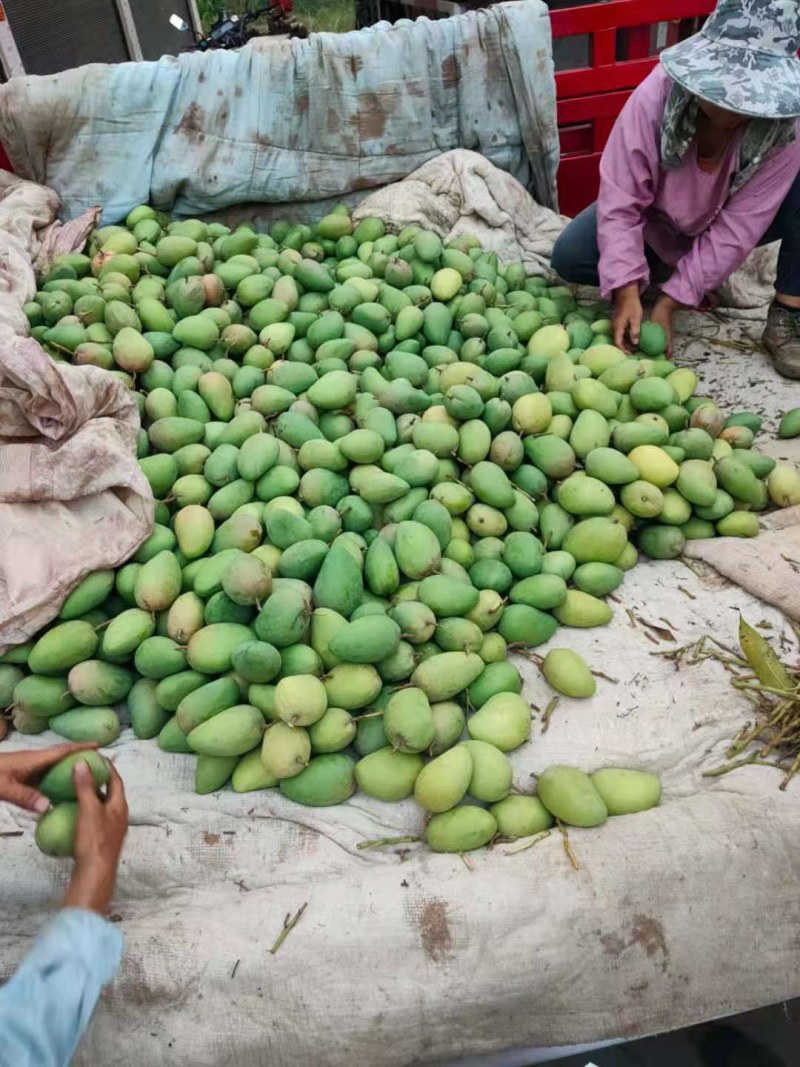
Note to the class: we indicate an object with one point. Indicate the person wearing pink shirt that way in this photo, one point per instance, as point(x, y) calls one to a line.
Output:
point(703, 165)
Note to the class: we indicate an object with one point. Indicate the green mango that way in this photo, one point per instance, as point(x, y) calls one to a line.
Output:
point(416, 549)
point(524, 625)
point(388, 774)
point(212, 773)
point(158, 584)
point(58, 785)
point(789, 425)
point(697, 482)
point(661, 542)
point(230, 732)
point(339, 584)
point(87, 595)
point(542, 591)
point(97, 683)
point(444, 781)
point(461, 830)
point(55, 831)
point(503, 721)
point(352, 685)
point(256, 662)
point(738, 524)
point(285, 751)
point(87, 724)
point(444, 675)
point(554, 457)
point(447, 597)
point(582, 610)
point(571, 796)
point(626, 792)
point(283, 618)
point(595, 540)
point(327, 780)
point(211, 648)
point(408, 721)
point(171, 690)
point(521, 816)
point(333, 732)
point(567, 673)
point(250, 774)
point(367, 640)
point(60, 648)
point(501, 677)
point(148, 717)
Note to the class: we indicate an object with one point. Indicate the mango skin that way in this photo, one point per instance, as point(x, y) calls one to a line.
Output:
point(626, 792)
point(387, 774)
point(55, 831)
point(60, 648)
point(521, 816)
point(58, 786)
point(567, 673)
point(462, 829)
point(571, 796)
point(326, 781)
point(444, 781)
point(231, 732)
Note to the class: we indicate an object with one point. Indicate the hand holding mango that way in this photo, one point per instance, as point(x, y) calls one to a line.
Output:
point(20, 771)
point(85, 824)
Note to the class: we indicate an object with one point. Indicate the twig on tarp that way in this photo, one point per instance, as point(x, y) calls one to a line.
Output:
point(548, 712)
point(526, 843)
point(383, 842)
point(573, 859)
point(288, 925)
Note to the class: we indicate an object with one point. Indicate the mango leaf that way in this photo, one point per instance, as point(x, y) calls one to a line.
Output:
point(759, 654)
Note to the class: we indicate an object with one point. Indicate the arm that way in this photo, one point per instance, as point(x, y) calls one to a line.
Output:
point(48, 1003)
point(735, 232)
point(628, 176)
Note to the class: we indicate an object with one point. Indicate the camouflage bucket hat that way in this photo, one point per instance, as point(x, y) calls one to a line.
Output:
point(744, 59)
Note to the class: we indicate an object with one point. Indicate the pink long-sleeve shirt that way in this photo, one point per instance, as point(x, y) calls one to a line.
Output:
point(687, 216)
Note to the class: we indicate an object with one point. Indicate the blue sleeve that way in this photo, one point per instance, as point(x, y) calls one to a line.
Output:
point(46, 1006)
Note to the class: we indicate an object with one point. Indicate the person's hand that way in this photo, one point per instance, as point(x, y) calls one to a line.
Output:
point(662, 314)
point(99, 835)
point(19, 772)
point(627, 317)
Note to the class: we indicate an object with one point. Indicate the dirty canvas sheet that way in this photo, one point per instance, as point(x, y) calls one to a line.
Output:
point(72, 497)
point(405, 957)
point(294, 121)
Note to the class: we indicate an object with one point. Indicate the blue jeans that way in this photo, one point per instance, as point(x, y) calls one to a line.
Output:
point(576, 255)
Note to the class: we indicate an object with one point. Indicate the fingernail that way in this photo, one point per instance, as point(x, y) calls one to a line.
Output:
point(42, 805)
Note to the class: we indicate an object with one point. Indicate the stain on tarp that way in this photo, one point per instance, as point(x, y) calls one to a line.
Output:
point(197, 122)
point(440, 929)
point(449, 72)
point(649, 933)
point(645, 933)
point(374, 112)
point(191, 124)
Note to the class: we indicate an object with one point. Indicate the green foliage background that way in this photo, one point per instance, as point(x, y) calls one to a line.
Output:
point(336, 16)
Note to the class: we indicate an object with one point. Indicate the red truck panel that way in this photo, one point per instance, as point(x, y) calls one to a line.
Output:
point(625, 42)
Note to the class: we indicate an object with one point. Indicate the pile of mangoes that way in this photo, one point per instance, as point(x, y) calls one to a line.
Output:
point(380, 464)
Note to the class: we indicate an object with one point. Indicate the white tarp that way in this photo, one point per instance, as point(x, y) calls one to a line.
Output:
point(404, 957)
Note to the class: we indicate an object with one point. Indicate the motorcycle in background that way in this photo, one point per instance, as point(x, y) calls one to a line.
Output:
point(234, 31)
